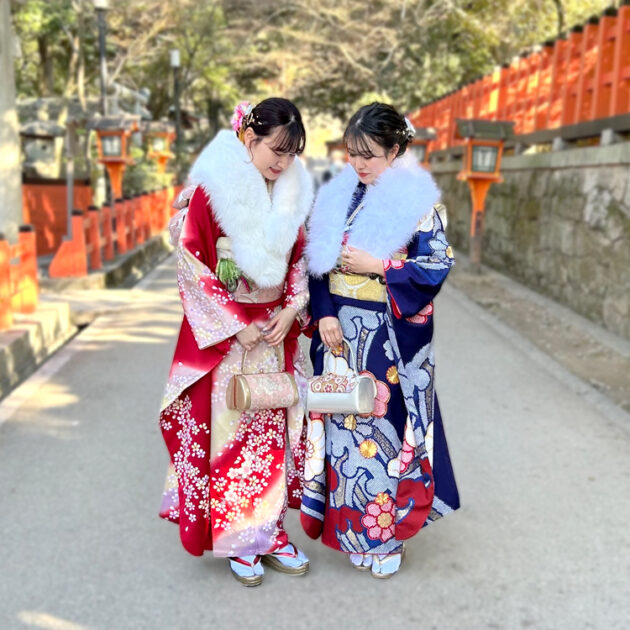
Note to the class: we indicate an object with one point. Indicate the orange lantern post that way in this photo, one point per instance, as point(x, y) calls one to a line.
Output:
point(482, 160)
point(160, 136)
point(113, 135)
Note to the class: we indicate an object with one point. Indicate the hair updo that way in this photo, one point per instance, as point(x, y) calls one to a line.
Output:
point(271, 113)
point(381, 123)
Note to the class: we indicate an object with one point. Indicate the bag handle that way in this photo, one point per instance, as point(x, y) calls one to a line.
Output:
point(278, 355)
point(329, 353)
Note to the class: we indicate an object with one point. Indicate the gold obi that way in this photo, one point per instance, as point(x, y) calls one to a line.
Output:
point(358, 286)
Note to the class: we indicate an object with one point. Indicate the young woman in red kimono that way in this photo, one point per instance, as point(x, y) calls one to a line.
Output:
point(243, 285)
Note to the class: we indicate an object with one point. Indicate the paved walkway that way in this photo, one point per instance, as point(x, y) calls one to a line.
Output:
point(542, 540)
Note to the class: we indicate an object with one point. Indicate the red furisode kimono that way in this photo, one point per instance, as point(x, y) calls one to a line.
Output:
point(232, 475)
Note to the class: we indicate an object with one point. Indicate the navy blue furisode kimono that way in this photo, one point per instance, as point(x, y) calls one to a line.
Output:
point(373, 481)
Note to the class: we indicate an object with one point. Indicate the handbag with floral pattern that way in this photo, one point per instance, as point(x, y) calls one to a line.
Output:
point(340, 388)
point(266, 390)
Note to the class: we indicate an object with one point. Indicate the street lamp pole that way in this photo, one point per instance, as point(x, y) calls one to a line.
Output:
point(175, 64)
point(101, 7)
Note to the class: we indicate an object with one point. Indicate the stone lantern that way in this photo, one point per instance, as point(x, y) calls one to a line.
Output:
point(419, 146)
point(113, 138)
point(39, 140)
point(160, 136)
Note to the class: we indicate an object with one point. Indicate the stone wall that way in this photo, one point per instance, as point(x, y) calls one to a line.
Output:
point(560, 224)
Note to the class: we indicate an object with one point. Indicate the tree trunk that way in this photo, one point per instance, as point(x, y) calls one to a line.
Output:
point(81, 66)
point(560, 14)
point(67, 94)
point(43, 69)
point(10, 162)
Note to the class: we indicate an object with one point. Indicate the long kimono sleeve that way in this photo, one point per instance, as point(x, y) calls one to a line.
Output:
point(296, 293)
point(210, 309)
point(412, 284)
point(321, 302)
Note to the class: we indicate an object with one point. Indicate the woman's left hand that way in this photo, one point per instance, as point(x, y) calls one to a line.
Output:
point(358, 261)
point(277, 328)
point(183, 199)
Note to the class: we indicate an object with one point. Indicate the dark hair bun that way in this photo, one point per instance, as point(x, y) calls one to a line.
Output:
point(273, 113)
point(380, 122)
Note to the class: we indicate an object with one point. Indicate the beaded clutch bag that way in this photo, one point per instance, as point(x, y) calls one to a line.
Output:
point(267, 390)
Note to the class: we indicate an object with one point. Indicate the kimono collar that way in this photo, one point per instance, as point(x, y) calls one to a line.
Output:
point(262, 229)
point(392, 209)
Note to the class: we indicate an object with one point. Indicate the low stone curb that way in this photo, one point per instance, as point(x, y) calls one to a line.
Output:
point(31, 341)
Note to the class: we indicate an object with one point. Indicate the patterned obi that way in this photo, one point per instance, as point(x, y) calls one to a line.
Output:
point(365, 287)
point(248, 293)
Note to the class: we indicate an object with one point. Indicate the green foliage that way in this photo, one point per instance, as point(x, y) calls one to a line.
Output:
point(40, 26)
point(328, 56)
point(142, 175)
point(409, 52)
point(59, 43)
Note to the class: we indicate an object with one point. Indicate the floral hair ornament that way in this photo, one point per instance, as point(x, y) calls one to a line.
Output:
point(241, 117)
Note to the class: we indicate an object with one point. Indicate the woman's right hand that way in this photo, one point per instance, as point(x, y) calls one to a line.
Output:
point(330, 331)
point(249, 337)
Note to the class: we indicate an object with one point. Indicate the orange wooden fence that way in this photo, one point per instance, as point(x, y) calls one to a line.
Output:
point(18, 276)
point(582, 77)
point(99, 235)
point(95, 236)
point(44, 207)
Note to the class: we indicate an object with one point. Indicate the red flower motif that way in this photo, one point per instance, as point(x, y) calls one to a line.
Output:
point(399, 464)
point(406, 456)
point(393, 264)
point(382, 397)
point(422, 317)
point(379, 518)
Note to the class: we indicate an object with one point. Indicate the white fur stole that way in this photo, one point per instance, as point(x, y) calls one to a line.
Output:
point(262, 230)
point(393, 207)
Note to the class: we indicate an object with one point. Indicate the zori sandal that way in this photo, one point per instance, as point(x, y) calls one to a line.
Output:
point(288, 559)
point(385, 566)
point(361, 561)
point(247, 570)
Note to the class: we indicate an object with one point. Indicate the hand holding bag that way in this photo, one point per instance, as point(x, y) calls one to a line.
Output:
point(340, 389)
point(265, 390)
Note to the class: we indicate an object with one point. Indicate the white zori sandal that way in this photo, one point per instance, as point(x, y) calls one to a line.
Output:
point(288, 559)
point(386, 565)
point(361, 561)
point(247, 570)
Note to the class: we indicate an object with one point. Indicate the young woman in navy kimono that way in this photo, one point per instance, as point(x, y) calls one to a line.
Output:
point(377, 256)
